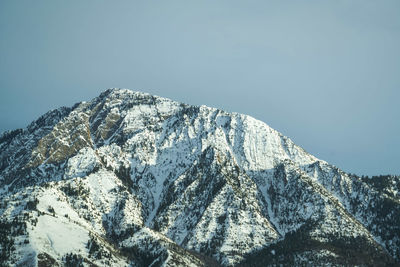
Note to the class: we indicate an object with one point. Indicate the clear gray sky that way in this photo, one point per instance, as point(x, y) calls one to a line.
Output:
point(324, 73)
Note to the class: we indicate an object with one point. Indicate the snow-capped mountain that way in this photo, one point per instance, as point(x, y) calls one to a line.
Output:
point(131, 179)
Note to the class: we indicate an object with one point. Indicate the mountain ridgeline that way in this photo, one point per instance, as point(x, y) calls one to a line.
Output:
point(131, 179)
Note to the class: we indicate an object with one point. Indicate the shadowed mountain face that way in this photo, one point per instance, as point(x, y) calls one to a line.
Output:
point(134, 179)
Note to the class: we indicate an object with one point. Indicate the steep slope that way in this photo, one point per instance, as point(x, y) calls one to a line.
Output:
point(134, 179)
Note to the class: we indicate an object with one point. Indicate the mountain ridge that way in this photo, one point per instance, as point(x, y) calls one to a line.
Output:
point(152, 181)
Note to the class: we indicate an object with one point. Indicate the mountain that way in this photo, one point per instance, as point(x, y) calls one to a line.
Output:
point(131, 179)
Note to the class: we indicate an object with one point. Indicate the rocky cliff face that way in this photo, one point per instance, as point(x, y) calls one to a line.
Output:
point(134, 179)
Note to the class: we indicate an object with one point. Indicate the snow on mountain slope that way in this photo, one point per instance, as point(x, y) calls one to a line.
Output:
point(134, 179)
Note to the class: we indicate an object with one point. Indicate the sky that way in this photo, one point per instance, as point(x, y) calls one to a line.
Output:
point(324, 73)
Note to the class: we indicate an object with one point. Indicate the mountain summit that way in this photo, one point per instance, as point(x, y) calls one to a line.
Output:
point(132, 179)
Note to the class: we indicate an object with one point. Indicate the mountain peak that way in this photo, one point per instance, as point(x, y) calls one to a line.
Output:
point(129, 178)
